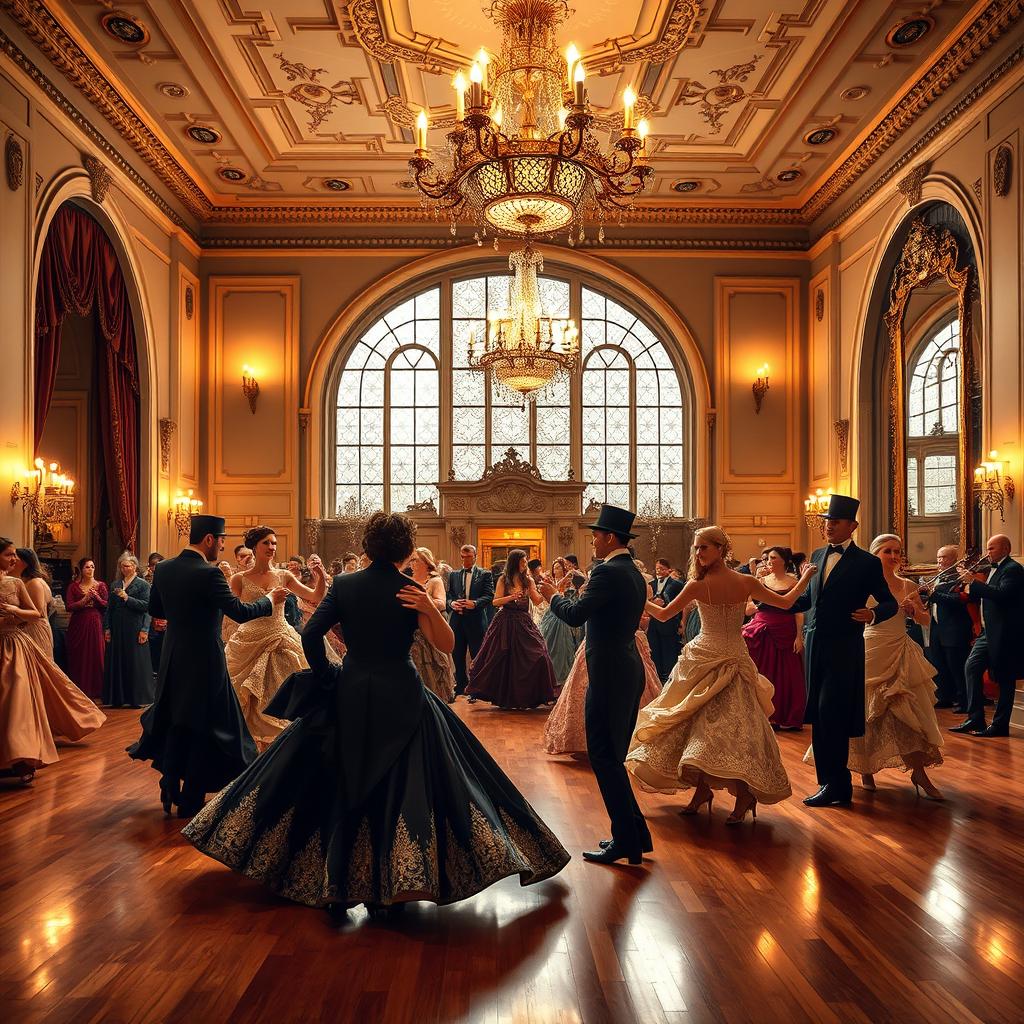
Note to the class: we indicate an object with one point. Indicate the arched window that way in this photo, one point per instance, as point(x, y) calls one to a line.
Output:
point(410, 411)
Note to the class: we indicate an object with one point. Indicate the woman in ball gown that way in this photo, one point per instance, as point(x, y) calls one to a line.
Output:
point(30, 571)
point(37, 701)
point(512, 668)
point(900, 729)
point(436, 668)
point(377, 793)
point(128, 680)
point(562, 639)
point(565, 731)
point(86, 601)
point(709, 727)
point(775, 639)
point(262, 653)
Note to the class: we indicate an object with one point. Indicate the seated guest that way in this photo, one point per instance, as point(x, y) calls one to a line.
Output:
point(998, 650)
point(949, 632)
point(663, 637)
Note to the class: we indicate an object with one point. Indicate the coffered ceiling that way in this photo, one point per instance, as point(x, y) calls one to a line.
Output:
point(257, 111)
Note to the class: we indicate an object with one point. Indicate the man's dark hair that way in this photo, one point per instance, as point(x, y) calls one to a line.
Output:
point(238, 547)
point(573, 559)
point(534, 563)
point(663, 561)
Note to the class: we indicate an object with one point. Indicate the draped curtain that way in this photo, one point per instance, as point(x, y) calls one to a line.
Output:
point(79, 271)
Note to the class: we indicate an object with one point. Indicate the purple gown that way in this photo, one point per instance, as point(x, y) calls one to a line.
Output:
point(513, 668)
point(770, 635)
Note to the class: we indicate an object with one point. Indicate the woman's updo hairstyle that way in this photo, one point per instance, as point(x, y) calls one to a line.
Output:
point(882, 540)
point(714, 535)
point(787, 556)
point(389, 537)
point(256, 534)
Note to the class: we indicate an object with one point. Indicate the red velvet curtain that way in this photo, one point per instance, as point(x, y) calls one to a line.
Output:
point(79, 270)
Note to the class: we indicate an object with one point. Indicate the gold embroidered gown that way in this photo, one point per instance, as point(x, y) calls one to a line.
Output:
point(376, 793)
point(37, 700)
point(711, 719)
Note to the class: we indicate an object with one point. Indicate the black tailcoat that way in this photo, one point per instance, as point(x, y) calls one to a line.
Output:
point(664, 637)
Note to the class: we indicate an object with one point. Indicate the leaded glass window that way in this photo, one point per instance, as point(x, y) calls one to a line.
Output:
point(939, 485)
point(935, 385)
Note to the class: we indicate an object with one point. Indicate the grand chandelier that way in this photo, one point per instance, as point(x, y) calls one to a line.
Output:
point(525, 350)
point(522, 158)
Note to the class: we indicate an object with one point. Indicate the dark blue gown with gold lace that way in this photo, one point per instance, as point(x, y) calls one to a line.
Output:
point(376, 793)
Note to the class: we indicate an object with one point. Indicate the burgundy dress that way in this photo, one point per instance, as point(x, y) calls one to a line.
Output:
point(513, 668)
point(770, 635)
point(85, 638)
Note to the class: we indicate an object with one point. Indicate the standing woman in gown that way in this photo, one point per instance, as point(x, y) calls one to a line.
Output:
point(263, 652)
point(34, 576)
point(709, 728)
point(562, 639)
point(128, 680)
point(86, 602)
point(37, 701)
point(775, 639)
point(900, 729)
point(512, 668)
point(377, 794)
point(436, 668)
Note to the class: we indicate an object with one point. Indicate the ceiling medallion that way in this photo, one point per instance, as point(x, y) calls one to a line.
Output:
point(820, 136)
point(203, 133)
point(232, 174)
point(854, 93)
point(789, 174)
point(685, 186)
point(911, 31)
point(714, 102)
point(522, 159)
point(172, 90)
point(337, 184)
point(524, 350)
point(318, 99)
point(125, 28)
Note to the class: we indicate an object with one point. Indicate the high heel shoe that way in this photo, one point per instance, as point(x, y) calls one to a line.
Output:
point(921, 781)
point(868, 782)
point(698, 802)
point(742, 811)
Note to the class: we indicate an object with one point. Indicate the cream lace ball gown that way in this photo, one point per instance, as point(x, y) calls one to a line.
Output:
point(901, 730)
point(712, 718)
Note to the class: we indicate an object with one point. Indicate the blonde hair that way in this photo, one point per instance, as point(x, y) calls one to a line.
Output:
point(882, 539)
point(717, 536)
point(428, 558)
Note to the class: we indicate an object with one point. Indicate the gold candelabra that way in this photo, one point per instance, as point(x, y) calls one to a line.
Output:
point(815, 507)
point(992, 486)
point(49, 498)
point(181, 511)
point(250, 387)
point(760, 387)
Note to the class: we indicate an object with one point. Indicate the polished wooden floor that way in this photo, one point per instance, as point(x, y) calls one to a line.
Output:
point(899, 910)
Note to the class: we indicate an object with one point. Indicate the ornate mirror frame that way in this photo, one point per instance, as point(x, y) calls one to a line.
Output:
point(930, 252)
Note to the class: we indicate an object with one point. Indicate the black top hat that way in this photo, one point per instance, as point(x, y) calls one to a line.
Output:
point(615, 520)
point(202, 525)
point(842, 507)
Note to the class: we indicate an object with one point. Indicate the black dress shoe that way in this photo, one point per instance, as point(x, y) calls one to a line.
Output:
point(969, 727)
point(993, 731)
point(829, 796)
point(612, 853)
point(645, 847)
point(169, 794)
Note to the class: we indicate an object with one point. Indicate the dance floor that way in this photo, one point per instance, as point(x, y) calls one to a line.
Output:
point(899, 910)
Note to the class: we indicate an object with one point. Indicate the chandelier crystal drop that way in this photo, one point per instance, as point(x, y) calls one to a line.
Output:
point(522, 158)
point(525, 351)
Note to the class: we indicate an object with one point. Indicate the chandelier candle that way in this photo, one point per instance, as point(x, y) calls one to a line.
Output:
point(459, 84)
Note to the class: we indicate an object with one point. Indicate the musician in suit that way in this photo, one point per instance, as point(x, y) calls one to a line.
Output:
point(611, 605)
point(999, 649)
point(194, 732)
point(834, 653)
point(664, 637)
point(949, 632)
point(468, 601)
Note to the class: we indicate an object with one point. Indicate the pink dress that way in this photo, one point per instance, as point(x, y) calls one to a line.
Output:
point(770, 636)
point(565, 732)
point(85, 638)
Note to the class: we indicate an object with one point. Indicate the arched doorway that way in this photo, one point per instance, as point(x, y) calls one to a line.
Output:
point(86, 389)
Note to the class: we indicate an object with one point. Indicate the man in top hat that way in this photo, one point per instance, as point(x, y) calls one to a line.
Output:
point(611, 606)
point(194, 732)
point(836, 616)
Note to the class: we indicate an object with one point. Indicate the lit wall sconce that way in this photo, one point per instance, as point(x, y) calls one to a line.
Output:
point(993, 487)
point(760, 387)
point(49, 497)
point(250, 387)
point(182, 509)
point(815, 506)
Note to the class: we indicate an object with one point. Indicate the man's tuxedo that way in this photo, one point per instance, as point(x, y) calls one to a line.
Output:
point(468, 626)
point(949, 642)
point(664, 637)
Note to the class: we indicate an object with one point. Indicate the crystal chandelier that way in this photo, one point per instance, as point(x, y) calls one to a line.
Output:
point(522, 159)
point(525, 350)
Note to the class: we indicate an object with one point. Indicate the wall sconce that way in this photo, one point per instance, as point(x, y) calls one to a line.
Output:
point(760, 387)
point(815, 506)
point(182, 509)
point(250, 387)
point(49, 498)
point(993, 487)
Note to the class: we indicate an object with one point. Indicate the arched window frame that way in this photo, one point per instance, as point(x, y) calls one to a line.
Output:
point(577, 279)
